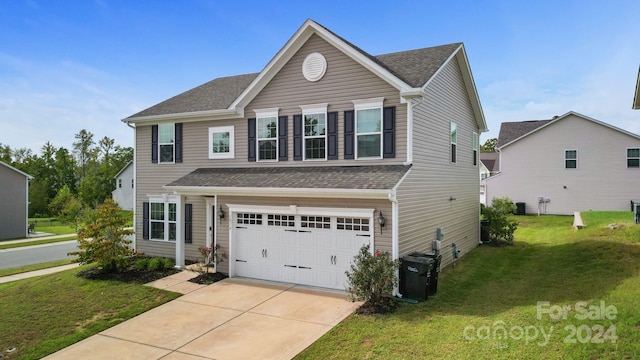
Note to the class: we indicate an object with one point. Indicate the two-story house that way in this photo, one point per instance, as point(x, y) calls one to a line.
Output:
point(14, 196)
point(123, 193)
point(293, 169)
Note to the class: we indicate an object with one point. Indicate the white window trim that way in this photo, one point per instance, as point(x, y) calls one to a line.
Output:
point(266, 113)
point(476, 148)
point(166, 200)
point(313, 110)
point(565, 159)
point(368, 104)
point(173, 144)
point(222, 129)
point(627, 158)
point(453, 125)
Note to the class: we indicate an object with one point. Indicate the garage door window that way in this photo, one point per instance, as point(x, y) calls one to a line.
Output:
point(353, 224)
point(249, 219)
point(315, 222)
point(281, 220)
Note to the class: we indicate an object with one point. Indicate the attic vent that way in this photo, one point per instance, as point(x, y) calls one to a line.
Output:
point(314, 66)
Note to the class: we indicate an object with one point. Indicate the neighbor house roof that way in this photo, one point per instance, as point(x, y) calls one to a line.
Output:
point(491, 160)
point(510, 131)
point(123, 169)
point(289, 179)
point(515, 131)
point(16, 170)
point(408, 71)
point(636, 96)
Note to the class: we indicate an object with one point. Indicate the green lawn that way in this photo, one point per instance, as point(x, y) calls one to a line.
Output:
point(27, 268)
point(37, 242)
point(41, 315)
point(495, 289)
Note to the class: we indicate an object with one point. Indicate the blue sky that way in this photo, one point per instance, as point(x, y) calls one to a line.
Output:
point(71, 65)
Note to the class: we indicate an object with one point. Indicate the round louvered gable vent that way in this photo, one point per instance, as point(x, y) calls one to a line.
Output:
point(314, 66)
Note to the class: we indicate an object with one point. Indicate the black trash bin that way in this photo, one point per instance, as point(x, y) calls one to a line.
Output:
point(415, 274)
point(433, 278)
point(521, 208)
point(484, 231)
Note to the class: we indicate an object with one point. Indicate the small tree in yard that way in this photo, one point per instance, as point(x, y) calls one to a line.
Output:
point(372, 278)
point(102, 239)
point(501, 224)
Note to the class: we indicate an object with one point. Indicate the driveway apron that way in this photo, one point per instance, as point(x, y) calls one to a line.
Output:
point(231, 319)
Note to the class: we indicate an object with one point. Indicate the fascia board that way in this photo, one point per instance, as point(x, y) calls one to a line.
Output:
point(282, 192)
point(221, 114)
point(16, 170)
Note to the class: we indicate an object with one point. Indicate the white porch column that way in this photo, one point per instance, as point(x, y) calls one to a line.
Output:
point(180, 232)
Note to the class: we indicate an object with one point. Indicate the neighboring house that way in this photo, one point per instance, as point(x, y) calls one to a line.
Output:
point(636, 96)
point(489, 166)
point(293, 169)
point(123, 194)
point(484, 173)
point(567, 164)
point(14, 196)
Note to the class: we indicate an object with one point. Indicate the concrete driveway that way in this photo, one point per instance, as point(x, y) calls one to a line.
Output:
point(231, 319)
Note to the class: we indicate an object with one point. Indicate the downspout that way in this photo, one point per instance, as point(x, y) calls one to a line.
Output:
point(135, 185)
point(395, 247)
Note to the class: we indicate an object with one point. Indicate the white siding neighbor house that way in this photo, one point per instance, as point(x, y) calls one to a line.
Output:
point(567, 164)
point(125, 185)
point(293, 169)
point(14, 197)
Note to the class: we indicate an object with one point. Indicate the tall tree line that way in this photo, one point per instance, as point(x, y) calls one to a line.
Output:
point(86, 172)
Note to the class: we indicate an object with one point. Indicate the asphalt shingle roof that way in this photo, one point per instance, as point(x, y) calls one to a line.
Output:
point(415, 67)
point(510, 131)
point(377, 177)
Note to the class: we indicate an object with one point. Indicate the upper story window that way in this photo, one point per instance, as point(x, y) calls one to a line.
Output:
point(221, 142)
point(633, 158)
point(454, 142)
point(132, 183)
point(368, 126)
point(315, 131)
point(475, 149)
point(570, 159)
point(166, 143)
point(119, 183)
point(267, 134)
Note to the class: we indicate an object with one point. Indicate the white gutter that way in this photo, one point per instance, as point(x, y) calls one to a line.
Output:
point(221, 114)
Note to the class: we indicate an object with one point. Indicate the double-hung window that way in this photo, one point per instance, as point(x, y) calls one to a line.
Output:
point(570, 159)
point(368, 127)
point(166, 143)
point(633, 158)
point(454, 142)
point(221, 142)
point(475, 149)
point(315, 131)
point(162, 221)
point(267, 134)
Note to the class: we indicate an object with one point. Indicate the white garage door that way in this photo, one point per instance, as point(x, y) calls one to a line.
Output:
point(300, 249)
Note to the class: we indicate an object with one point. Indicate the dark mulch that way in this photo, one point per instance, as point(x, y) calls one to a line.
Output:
point(130, 276)
point(386, 306)
point(209, 278)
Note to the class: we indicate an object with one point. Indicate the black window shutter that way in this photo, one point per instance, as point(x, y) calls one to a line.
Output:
point(297, 137)
point(389, 132)
point(188, 208)
point(145, 220)
point(349, 134)
point(154, 144)
point(332, 135)
point(252, 139)
point(178, 135)
point(283, 123)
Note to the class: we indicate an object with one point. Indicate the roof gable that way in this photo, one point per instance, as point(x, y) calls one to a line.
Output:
point(541, 124)
point(510, 131)
point(16, 170)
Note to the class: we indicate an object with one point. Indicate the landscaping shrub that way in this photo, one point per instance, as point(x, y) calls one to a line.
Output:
point(141, 264)
point(159, 264)
point(501, 225)
point(371, 279)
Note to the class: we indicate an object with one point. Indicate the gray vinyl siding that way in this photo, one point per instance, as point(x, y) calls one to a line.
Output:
point(601, 180)
point(13, 196)
point(424, 196)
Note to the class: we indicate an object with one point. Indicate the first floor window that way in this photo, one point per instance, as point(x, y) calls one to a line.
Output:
point(633, 158)
point(571, 159)
point(162, 221)
point(221, 142)
point(166, 143)
point(454, 142)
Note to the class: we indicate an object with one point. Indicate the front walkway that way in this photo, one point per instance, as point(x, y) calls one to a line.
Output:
point(231, 319)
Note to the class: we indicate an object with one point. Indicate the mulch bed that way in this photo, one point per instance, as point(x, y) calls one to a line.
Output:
point(209, 278)
point(368, 308)
point(131, 276)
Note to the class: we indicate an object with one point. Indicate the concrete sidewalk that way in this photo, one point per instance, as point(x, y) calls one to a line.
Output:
point(231, 319)
point(36, 237)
